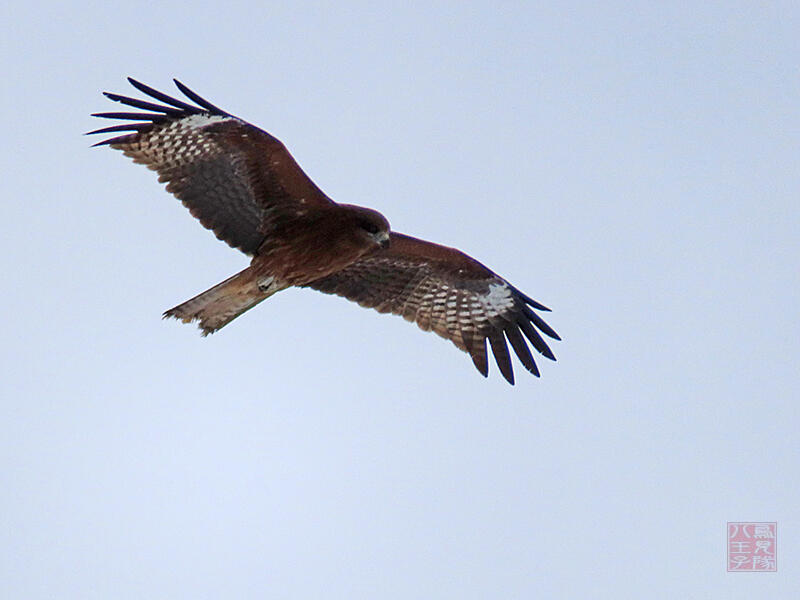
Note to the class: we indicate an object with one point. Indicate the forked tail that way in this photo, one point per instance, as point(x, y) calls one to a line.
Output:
point(218, 306)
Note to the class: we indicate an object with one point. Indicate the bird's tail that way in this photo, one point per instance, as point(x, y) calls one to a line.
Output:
point(218, 306)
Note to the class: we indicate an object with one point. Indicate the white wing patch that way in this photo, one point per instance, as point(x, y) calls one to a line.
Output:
point(202, 120)
point(499, 299)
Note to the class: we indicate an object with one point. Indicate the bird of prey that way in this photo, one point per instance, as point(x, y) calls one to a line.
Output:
point(242, 183)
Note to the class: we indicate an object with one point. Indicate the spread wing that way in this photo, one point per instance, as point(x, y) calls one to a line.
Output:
point(238, 180)
point(450, 293)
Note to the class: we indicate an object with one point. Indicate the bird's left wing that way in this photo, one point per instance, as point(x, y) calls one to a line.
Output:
point(450, 293)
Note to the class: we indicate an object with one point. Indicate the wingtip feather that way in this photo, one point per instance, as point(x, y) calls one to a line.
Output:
point(502, 356)
point(479, 358)
point(521, 349)
point(195, 97)
point(540, 323)
point(528, 300)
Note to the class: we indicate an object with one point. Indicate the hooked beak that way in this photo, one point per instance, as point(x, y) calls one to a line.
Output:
point(383, 239)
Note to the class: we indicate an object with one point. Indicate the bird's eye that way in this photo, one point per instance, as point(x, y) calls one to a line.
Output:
point(369, 227)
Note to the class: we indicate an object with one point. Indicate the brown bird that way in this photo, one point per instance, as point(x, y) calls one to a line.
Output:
point(243, 184)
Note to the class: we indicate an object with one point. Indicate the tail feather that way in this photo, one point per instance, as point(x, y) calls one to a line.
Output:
point(218, 306)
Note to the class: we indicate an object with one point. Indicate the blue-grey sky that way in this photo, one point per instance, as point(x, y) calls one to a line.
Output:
point(635, 167)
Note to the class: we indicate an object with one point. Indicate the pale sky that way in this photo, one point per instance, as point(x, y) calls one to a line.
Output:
point(635, 168)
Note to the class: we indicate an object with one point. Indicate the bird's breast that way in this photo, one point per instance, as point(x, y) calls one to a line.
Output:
point(305, 255)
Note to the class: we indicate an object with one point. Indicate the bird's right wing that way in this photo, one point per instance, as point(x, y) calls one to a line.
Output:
point(238, 180)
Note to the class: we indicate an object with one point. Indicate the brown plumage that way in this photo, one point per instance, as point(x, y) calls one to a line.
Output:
point(242, 183)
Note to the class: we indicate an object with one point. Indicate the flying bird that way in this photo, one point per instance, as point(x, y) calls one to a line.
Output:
point(241, 182)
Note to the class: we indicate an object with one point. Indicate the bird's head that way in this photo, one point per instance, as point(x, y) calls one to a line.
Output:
point(369, 225)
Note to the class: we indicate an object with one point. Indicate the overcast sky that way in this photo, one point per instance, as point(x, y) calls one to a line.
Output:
point(635, 168)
